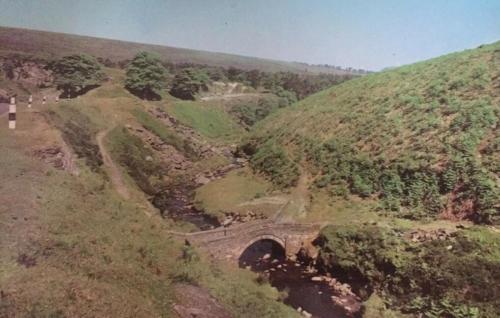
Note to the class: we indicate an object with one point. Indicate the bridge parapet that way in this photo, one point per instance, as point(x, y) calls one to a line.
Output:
point(230, 242)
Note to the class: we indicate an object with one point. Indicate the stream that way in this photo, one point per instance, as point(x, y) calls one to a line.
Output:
point(293, 277)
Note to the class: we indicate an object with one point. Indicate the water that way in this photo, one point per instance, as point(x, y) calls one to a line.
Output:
point(176, 203)
point(312, 296)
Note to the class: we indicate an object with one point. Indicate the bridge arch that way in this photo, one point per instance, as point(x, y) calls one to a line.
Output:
point(256, 247)
point(262, 237)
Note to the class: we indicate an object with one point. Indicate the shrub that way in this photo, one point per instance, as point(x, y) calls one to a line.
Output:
point(272, 160)
point(189, 83)
point(436, 278)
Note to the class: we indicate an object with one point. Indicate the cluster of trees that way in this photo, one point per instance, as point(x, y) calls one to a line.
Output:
point(76, 74)
point(147, 76)
point(290, 85)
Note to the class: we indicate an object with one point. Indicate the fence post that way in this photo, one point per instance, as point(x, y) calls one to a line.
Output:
point(12, 113)
point(30, 101)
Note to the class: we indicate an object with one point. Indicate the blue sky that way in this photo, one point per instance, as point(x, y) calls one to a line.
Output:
point(370, 34)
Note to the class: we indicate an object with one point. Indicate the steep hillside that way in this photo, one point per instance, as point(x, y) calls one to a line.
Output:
point(51, 44)
point(422, 140)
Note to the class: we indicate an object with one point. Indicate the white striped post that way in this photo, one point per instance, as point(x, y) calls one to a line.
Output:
point(12, 113)
point(44, 99)
point(57, 99)
point(30, 101)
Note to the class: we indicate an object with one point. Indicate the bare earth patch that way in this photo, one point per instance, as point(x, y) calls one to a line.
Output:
point(193, 301)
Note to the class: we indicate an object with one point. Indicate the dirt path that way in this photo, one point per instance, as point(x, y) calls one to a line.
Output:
point(300, 198)
point(114, 172)
point(229, 96)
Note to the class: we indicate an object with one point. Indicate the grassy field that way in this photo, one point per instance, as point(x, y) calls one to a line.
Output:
point(206, 118)
point(228, 193)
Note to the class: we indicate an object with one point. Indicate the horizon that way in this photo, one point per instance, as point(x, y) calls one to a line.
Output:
point(371, 36)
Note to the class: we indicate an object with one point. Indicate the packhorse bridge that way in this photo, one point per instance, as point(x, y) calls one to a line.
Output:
point(230, 243)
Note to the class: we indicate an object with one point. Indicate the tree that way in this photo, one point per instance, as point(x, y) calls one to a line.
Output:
point(146, 76)
point(77, 74)
point(189, 82)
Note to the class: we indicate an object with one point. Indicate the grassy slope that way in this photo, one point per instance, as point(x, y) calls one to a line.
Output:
point(56, 44)
point(418, 115)
point(207, 118)
point(224, 195)
point(71, 247)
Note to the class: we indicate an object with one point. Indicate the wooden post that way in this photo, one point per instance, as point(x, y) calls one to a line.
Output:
point(57, 99)
point(44, 100)
point(30, 101)
point(12, 113)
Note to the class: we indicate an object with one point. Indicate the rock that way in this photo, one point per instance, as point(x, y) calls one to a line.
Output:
point(449, 247)
point(316, 278)
point(299, 309)
point(4, 96)
point(266, 256)
point(202, 180)
point(149, 158)
point(306, 314)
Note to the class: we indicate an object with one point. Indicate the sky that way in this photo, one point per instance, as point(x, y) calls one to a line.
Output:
point(370, 34)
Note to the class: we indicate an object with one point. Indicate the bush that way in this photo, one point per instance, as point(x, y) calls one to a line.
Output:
point(189, 83)
point(272, 160)
point(426, 278)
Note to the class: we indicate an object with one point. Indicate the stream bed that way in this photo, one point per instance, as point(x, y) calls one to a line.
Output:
point(296, 278)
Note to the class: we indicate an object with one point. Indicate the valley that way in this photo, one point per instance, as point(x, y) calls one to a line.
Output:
point(107, 195)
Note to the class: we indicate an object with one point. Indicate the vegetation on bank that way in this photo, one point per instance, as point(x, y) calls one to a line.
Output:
point(79, 132)
point(164, 133)
point(457, 277)
point(91, 253)
point(423, 138)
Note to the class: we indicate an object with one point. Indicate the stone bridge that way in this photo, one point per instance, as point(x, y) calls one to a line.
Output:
point(229, 243)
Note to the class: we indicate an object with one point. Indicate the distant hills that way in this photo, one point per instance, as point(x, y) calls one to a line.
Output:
point(51, 44)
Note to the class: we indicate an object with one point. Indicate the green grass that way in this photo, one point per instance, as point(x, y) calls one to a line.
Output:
point(224, 195)
point(207, 119)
